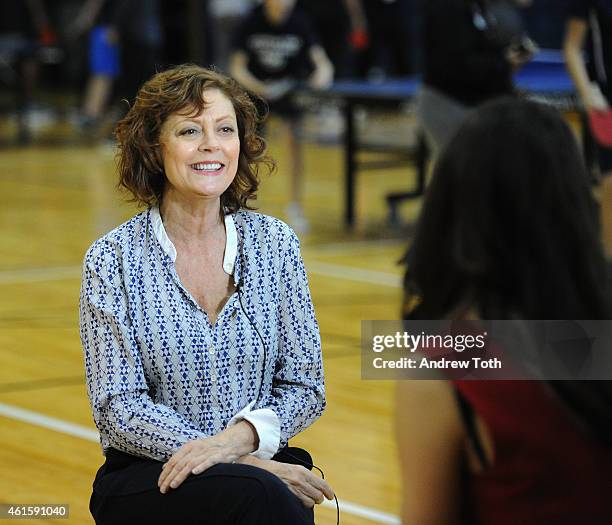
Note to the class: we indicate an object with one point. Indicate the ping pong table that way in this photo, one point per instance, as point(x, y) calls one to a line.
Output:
point(543, 78)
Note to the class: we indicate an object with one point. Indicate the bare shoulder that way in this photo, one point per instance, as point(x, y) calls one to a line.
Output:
point(430, 403)
point(430, 443)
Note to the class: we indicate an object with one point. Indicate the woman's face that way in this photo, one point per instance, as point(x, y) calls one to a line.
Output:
point(200, 153)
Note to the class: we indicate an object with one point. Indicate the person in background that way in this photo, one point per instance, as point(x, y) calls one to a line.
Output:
point(593, 81)
point(391, 39)
point(227, 16)
point(202, 350)
point(126, 37)
point(343, 29)
point(274, 51)
point(141, 40)
point(24, 28)
point(97, 18)
point(509, 230)
point(470, 55)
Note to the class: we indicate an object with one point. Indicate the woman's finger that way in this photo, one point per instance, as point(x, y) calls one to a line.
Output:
point(203, 464)
point(325, 488)
point(306, 500)
point(307, 488)
point(176, 459)
point(180, 476)
point(169, 474)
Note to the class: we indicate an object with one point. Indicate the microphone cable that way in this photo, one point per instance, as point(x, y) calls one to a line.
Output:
point(300, 461)
point(310, 466)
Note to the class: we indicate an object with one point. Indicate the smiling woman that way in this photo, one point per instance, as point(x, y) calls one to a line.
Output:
point(196, 374)
point(200, 152)
point(178, 96)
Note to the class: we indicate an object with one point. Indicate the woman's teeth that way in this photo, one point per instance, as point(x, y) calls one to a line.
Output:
point(207, 166)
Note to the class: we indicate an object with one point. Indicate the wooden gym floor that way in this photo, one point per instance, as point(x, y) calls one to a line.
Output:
point(55, 201)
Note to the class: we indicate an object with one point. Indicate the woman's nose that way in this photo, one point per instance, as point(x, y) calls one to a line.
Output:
point(209, 143)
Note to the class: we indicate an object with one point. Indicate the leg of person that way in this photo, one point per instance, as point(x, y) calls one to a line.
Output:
point(224, 494)
point(96, 96)
point(295, 210)
point(605, 163)
point(28, 67)
point(104, 68)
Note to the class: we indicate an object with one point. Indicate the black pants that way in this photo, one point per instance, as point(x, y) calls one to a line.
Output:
point(125, 491)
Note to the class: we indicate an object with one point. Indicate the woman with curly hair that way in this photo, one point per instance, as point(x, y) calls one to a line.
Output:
point(202, 350)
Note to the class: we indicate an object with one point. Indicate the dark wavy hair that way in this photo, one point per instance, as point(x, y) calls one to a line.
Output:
point(509, 223)
point(510, 229)
point(181, 89)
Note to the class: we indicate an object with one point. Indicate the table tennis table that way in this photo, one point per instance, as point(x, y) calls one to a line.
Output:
point(543, 78)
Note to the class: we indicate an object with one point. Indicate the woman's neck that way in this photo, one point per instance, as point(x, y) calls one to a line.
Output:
point(190, 220)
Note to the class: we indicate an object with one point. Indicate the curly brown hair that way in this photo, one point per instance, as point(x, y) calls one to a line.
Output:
point(179, 89)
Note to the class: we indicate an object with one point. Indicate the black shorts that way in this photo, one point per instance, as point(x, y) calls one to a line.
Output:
point(284, 107)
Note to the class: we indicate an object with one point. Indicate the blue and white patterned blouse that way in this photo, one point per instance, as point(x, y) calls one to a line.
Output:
point(159, 374)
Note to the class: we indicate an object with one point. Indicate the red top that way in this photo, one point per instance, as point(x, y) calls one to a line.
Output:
point(546, 469)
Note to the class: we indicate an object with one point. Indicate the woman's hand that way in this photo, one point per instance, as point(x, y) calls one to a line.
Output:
point(307, 487)
point(194, 457)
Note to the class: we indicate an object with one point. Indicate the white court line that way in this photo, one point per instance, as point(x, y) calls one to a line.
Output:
point(34, 418)
point(347, 248)
point(363, 512)
point(350, 273)
point(72, 429)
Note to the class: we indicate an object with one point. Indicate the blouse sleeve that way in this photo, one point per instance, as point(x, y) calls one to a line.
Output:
point(298, 393)
point(118, 392)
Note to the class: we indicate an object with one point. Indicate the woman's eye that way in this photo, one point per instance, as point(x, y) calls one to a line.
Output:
point(227, 129)
point(189, 131)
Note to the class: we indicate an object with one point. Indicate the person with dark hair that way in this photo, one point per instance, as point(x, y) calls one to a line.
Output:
point(202, 350)
point(24, 28)
point(470, 50)
point(342, 27)
point(509, 230)
point(391, 30)
point(275, 50)
point(97, 18)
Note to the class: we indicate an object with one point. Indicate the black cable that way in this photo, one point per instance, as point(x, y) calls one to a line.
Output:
point(311, 466)
point(263, 344)
point(261, 385)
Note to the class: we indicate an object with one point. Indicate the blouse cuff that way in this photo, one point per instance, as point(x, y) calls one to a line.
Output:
point(267, 426)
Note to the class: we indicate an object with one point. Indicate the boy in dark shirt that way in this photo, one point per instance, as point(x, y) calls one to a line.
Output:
point(470, 54)
point(594, 81)
point(274, 50)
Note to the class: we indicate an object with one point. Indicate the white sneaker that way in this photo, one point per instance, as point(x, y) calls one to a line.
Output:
point(296, 218)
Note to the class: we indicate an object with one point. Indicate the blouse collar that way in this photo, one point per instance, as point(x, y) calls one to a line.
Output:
point(231, 239)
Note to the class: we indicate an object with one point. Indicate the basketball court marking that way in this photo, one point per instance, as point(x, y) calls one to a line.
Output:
point(80, 431)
